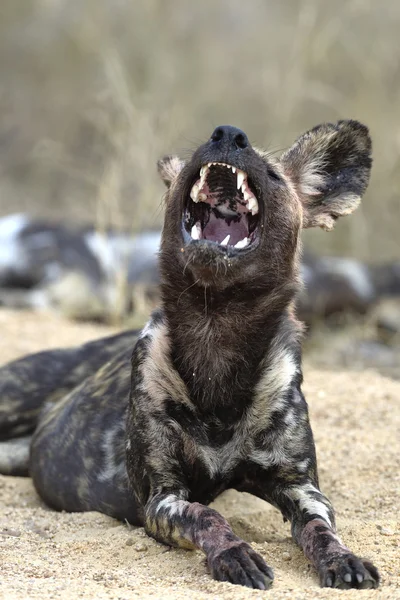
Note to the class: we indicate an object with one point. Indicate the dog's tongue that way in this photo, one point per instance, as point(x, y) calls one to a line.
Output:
point(218, 229)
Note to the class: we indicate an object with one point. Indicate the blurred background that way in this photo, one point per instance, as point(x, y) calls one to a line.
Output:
point(93, 92)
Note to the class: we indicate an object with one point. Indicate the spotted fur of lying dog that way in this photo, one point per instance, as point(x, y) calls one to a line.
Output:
point(211, 397)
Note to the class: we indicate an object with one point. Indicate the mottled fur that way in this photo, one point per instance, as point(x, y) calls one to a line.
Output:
point(212, 399)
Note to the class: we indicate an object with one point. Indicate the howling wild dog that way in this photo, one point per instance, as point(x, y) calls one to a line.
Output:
point(211, 397)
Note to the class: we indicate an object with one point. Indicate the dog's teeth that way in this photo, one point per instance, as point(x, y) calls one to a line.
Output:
point(225, 241)
point(202, 197)
point(252, 205)
point(203, 170)
point(209, 165)
point(240, 178)
point(243, 243)
point(203, 178)
point(194, 193)
point(233, 169)
point(196, 231)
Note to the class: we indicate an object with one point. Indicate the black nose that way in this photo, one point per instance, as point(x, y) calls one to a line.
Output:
point(230, 136)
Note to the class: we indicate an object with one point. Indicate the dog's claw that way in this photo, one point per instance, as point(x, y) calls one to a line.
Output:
point(241, 565)
point(348, 572)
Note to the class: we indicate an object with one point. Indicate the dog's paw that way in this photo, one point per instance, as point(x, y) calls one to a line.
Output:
point(243, 566)
point(348, 571)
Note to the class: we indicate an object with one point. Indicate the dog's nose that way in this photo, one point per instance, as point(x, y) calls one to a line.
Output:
point(226, 135)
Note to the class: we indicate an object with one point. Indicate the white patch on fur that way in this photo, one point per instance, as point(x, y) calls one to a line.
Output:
point(12, 255)
point(307, 503)
point(278, 375)
point(267, 459)
point(148, 330)
point(222, 460)
point(312, 178)
point(303, 465)
point(112, 467)
point(290, 418)
point(170, 168)
point(172, 504)
point(279, 372)
point(160, 379)
point(347, 202)
point(297, 398)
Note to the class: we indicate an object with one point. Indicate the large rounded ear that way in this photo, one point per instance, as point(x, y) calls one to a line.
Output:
point(329, 167)
point(169, 168)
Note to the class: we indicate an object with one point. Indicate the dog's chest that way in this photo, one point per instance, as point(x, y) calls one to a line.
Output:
point(214, 468)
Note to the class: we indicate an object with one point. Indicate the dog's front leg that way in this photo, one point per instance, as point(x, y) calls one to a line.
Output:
point(171, 519)
point(313, 528)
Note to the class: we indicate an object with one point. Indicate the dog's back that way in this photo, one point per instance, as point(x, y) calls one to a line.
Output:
point(41, 383)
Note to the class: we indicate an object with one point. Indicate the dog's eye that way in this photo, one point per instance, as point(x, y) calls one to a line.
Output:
point(273, 174)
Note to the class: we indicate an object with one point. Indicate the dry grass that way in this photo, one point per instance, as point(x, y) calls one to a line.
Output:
point(92, 92)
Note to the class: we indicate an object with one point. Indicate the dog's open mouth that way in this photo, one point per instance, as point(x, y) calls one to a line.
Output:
point(222, 207)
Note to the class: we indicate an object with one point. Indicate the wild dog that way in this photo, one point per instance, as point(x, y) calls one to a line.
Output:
point(82, 273)
point(213, 397)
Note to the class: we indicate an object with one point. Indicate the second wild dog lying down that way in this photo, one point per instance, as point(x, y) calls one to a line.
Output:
point(212, 398)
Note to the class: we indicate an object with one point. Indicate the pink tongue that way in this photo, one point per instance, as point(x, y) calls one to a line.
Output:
point(217, 229)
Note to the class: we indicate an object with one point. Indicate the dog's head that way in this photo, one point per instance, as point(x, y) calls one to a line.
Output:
point(233, 213)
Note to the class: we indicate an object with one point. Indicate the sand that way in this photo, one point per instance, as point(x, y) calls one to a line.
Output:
point(356, 421)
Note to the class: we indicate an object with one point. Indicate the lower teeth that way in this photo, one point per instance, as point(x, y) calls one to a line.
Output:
point(243, 243)
point(196, 231)
point(196, 234)
point(225, 241)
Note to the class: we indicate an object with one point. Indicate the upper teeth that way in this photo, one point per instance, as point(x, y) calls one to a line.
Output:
point(240, 178)
point(194, 192)
point(252, 205)
point(220, 164)
point(241, 183)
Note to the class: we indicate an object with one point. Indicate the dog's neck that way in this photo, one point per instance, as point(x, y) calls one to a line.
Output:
point(218, 340)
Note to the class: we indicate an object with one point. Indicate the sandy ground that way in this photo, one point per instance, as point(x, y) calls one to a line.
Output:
point(356, 418)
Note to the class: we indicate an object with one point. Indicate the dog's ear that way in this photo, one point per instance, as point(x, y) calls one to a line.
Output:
point(329, 167)
point(169, 168)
